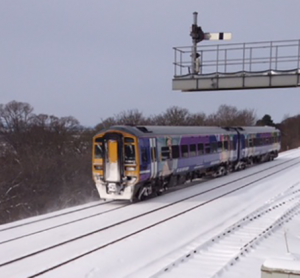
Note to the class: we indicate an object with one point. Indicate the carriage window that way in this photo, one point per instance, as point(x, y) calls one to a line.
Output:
point(226, 145)
point(250, 143)
point(232, 146)
point(214, 147)
point(144, 155)
point(184, 151)
point(259, 141)
point(165, 153)
point(219, 146)
point(175, 151)
point(207, 148)
point(255, 143)
point(98, 151)
point(200, 149)
point(193, 150)
point(129, 153)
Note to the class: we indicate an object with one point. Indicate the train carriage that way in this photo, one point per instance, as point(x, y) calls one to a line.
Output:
point(131, 162)
point(259, 144)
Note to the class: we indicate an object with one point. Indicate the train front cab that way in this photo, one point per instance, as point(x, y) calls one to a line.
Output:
point(115, 165)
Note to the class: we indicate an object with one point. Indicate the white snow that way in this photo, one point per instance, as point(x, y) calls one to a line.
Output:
point(147, 253)
point(284, 265)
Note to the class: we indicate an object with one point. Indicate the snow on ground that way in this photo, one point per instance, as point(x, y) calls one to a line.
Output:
point(144, 254)
point(273, 249)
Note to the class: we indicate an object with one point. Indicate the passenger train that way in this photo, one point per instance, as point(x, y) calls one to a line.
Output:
point(133, 162)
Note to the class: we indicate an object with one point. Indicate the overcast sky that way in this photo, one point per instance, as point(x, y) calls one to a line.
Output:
point(93, 59)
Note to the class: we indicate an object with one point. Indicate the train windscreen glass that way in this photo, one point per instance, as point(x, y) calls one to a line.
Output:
point(129, 153)
point(98, 151)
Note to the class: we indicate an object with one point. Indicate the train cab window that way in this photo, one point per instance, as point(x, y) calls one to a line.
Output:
point(129, 154)
point(98, 151)
point(175, 151)
point(165, 153)
point(200, 149)
point(226, 145)
point(128, 140)
point(184, 151)
point(193, 150)
point(207, 148)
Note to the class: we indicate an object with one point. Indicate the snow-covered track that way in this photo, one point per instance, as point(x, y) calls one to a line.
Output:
point(111, 234)
point(41, 224)
point(52, 215)
point(211, 258)
point(7, 235)
point(86, 209)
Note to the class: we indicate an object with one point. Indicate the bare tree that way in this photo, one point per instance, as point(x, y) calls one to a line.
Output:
point(174, 116)
point(230, 116)
point(197, 119)
point(134, 117)
point(45, 162)
point(15, 116)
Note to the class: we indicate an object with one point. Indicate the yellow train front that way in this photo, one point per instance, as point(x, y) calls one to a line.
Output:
point(116, 164)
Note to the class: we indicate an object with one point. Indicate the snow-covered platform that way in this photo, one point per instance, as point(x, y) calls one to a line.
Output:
point(280, 268)
point(238, 66)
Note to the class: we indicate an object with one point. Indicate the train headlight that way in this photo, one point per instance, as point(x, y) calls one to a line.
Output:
point(97, 177)
point(98, 167)
point(130, 168)
point(131, 180)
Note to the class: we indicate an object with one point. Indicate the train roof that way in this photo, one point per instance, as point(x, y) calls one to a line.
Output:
point(257, 129)
point(145, 131)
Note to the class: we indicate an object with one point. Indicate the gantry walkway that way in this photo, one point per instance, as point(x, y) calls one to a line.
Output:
point(258, 65)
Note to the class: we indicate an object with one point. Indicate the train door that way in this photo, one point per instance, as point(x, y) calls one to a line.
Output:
point(112, 158)
point(144, 146)
point(153, 151)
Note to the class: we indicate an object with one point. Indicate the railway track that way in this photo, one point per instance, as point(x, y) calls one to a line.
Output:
point(12, 231)
point(163, 213)
point(7, 235)
point(211, 258)
point(52, 215)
